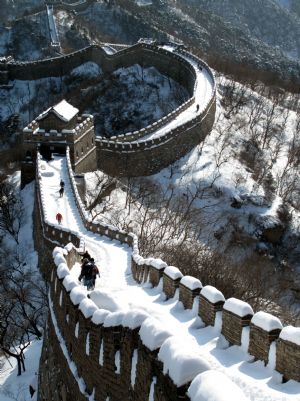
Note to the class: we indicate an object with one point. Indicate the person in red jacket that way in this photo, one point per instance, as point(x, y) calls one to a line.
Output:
point(59, 218)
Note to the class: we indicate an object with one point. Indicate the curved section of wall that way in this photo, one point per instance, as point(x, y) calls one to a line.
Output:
point(130, 154)
point(147, 55)
point(149, 157)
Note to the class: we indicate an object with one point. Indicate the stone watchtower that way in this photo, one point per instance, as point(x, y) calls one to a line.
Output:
point(55, 129)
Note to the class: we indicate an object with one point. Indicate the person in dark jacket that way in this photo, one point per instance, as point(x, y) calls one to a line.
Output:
point(87, 274)
point(61, 192)
point(95, 272)
point(86, 255)
point(62, 184)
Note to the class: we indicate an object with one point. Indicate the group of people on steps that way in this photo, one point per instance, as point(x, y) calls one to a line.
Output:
point(89, 271)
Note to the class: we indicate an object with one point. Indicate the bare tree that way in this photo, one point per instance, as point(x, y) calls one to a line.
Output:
point(11, 209)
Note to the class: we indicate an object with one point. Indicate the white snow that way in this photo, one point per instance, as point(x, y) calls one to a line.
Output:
point(69, 282)
point(173, 272)
point(181, 360)
point(87, 344)
point(152, 386)
point(133, 366)
point(77, 329)
point(134, 318)
point(114, 319)
point(87, 307)
point(99, 316)
point(212, 294)
point(62, 270)
point(63, 110)
point(290, 333)
point(117, 362)
point(78, 294)
point(106, 300)
point(191, 282)
point(153, 333)
point(101, 354)
point(214, 386)
point(266, 321)
point(87, 70)
point(238, 307)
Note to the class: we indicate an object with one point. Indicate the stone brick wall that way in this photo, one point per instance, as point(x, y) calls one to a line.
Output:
point(288, 359)
point(149, 157)
point(187, 296)
point(170, 285)
point(260, 341)
point(102, 379)
point(56, 381)
point(232, 326)
point(208, 310)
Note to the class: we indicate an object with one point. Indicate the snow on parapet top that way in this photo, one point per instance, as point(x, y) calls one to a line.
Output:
point(214, 386)
point(106, 300)
point(266, 321)
point(99, 316)
point(212, 294)
point(153, 333)
point(191, 282)
point(114, 319)
point(69, 247)
point(58, 250)
point(290, 333)
point(59, 258)
point(134, 318)
point(173, 272)
point(181, 361)
point(156, 263)
point(87, 307)
point(62, 270)
point(78, 294)
point(69, 282)
point(238, 307)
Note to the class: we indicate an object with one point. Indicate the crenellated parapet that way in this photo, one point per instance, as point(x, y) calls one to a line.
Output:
point(127, 354)
point(141, 152)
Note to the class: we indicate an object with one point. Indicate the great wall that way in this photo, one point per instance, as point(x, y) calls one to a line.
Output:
point(90, 353)
point(153, 147)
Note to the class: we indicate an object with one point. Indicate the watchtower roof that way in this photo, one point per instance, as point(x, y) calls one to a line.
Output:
point(63, 110)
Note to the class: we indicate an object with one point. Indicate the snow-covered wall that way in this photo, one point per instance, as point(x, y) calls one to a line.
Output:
point(112, 353)
point(98, 348)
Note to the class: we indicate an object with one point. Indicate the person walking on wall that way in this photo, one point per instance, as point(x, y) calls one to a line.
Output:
point(95, 272)
point(62, 184)
point(86, 255)
point(61, 192)
point(59, 218)
point(197, 108)
point(87, 274)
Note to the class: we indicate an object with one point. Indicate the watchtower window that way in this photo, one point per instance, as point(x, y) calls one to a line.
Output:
point(82, 149)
